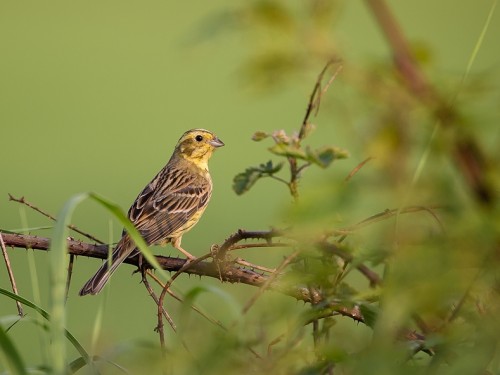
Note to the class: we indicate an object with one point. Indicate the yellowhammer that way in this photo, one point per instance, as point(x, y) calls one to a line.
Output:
point(170, 205)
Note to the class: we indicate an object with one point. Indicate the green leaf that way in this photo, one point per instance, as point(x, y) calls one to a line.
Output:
point(76, 344)
point(325, 155)
point(259, 136)
point(270, 168)
point(10, 356)
point(132, 232)
point(57, 275)
point(370, 314)
point(288, 151)
point(242, 182)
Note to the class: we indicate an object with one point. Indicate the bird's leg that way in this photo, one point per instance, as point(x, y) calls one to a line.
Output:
point(176, 242)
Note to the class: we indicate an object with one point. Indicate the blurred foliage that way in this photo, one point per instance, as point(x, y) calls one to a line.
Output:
point(435, 309)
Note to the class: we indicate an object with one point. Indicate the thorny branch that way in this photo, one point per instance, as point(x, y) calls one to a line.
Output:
point(229, 273)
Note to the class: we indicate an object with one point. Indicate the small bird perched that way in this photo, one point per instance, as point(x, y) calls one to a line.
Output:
point(170, 205)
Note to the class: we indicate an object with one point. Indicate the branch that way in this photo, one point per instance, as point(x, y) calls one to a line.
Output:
point(209, 269)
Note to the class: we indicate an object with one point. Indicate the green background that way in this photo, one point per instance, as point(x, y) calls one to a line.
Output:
point(94, 95)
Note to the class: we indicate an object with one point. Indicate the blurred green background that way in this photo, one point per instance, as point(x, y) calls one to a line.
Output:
point(94, 95)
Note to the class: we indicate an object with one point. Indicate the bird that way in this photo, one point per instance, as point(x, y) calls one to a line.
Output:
point(169, 206)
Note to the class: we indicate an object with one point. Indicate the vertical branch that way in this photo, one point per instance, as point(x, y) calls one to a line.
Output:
point(11, 274)
point(312, 106)
point(294, 178)
point(316, 95)
point(466, 153)
point(403, 57)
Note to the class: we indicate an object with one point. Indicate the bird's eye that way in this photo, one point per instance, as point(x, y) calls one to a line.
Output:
point(199, 138)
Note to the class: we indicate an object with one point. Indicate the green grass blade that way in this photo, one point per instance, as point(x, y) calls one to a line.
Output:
point(57, 278)
point(480, 39)
point(131, 230)
point(10, 356)
point(76, 344)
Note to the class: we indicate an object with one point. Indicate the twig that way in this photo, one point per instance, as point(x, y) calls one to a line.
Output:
point(176, 297)
point(316, 95)
point(313, 104)
point(71, 226)
point(270, 279)
point(195, 308)
point(241, 235)
point(371, 275)
point(357, 168)
point(275, 341)
point(384, 216)
point(161, 312)
point(244, 263)
point(165, 290)
point(155, 298)
point(260, 245)
point(20, 310)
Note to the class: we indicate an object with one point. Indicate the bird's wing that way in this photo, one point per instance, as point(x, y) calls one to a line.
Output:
point(168, 203)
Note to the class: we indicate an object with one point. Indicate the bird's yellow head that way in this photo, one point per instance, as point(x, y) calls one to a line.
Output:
point(197, 146)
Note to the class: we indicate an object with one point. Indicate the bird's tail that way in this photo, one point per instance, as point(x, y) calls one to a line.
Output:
point(121, 252)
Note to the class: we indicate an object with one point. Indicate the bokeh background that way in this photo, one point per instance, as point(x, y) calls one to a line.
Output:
point(94, 95)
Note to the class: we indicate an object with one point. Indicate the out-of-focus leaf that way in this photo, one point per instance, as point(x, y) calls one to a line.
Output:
point(288, 151)
point(270, 69)
point(370, 314)
point(308, 129)
point(322, 367)
point(324, 156)
point(242, 182)
point(345, 291)
point(259, 136)
point(272, 14)
point(270, 168)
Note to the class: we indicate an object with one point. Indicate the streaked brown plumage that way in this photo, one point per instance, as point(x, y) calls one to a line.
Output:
point(170, 205)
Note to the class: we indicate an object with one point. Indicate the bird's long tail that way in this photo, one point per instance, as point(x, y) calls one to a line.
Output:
point(122, 251)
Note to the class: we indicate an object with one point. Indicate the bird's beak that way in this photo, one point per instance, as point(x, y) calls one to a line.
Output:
point(216, 142)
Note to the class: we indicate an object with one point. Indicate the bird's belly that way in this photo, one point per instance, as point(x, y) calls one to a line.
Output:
point(184, 228)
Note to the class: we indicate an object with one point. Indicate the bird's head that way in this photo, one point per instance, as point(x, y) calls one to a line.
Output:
point(197, 146)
